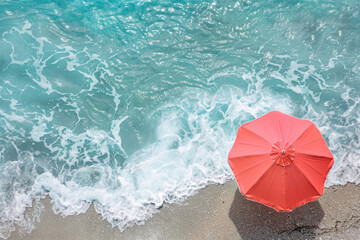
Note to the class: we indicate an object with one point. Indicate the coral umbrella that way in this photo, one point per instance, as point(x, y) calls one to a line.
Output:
point(280, 161)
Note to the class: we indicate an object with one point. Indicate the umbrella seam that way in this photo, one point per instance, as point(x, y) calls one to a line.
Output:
point(252, 166)
point(259, 180)
point(313, 155)
point(285, 184)
point(311, 184)
point(256, 134)
point(251, 155)
point(312, 124)
point(272, 180)
point(312, 168)
point(308, 142)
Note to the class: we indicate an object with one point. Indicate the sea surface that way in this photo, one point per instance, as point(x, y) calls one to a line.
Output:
point(132, 104)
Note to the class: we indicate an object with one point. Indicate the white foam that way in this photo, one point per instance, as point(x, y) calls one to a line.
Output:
point(116, 132)
point(38, 131)
point(189, 153)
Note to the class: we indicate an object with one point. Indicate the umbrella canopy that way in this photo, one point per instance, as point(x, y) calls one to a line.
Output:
point(280, 161)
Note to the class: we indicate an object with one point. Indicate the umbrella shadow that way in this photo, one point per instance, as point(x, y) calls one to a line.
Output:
point(256, 221)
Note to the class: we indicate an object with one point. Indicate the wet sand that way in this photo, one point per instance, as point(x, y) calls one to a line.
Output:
point(218, 212)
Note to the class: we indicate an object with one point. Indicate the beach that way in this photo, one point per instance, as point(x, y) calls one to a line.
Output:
point(218, 212)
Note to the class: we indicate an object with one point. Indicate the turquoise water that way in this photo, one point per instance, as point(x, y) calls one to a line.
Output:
point(130, 104)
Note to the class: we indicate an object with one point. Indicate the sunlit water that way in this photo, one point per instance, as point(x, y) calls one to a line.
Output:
point(133, 104)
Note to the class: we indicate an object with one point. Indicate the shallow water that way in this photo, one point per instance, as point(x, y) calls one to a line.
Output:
point(130, 104)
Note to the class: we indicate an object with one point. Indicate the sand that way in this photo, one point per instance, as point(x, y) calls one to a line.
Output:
point(218, 212)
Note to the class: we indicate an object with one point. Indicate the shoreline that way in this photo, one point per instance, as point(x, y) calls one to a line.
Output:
point(217, 212)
